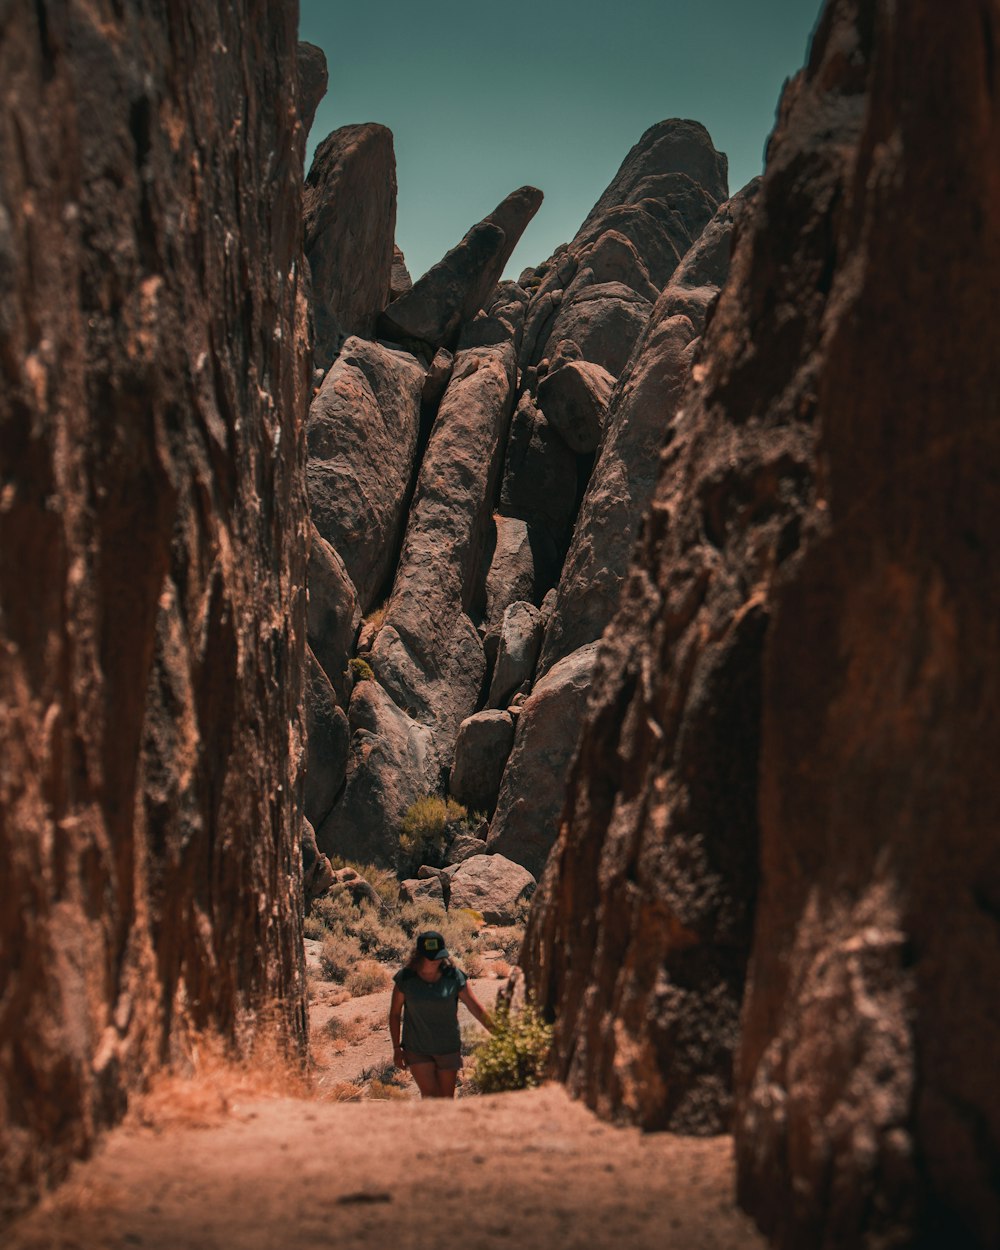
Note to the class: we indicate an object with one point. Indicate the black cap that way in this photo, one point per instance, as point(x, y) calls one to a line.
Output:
point(431, 945)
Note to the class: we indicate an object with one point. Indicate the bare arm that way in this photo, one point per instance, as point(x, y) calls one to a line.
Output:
point(395, 1019)
point(477, 1009)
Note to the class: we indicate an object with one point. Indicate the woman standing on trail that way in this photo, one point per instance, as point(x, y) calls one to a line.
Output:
point(429, 988)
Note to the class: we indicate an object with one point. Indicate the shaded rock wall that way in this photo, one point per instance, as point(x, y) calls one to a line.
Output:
point(804, 658)
point(152, 551)
point(869, 1110)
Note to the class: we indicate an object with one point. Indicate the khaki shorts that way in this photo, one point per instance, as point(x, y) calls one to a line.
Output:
point(447, 1063)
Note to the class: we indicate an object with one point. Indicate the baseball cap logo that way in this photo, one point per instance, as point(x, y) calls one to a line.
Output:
point(431, 944)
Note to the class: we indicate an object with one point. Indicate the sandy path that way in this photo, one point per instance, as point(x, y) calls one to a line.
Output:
point(530, 1169)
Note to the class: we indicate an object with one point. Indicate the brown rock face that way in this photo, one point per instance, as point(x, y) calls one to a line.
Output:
point(644, 962)
point(314, 79)
point(152, 552)
point(637, 425)
point(350, 225)
point(362, 438)
point(453, 291)
point(869, 1109)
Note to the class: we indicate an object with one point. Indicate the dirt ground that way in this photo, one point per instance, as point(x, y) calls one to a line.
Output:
point(215, 1164)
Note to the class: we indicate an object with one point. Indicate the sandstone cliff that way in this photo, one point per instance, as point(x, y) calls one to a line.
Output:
point(153, 377)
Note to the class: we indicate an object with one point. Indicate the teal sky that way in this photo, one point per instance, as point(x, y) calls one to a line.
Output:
point(482, 98)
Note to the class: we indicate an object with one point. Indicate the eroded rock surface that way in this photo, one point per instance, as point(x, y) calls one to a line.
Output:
point(428, 654)
point(350, 225)
point(153, 379)
point(362, 437)
point(637, 427)
point(531, 794)
point(457, 287)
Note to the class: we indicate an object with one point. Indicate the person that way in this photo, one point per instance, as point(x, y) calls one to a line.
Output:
point(425, 998)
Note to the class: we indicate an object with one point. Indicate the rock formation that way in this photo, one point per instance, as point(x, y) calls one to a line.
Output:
point(153, 537)
point(350, 225)
point(314, 78)
point(429, 314)
point(805, 641)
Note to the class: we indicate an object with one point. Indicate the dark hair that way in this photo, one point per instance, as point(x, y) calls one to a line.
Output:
point(447, 965)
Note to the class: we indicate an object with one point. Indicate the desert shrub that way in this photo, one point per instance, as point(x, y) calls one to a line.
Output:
point(367, 976)
point(337, 955)
point(376, 617)
point(360, 670)
point(314, 927)
point(515, 1053)
point(473, 964)
point(427, 828)
point(381, 1090)
point(507, 938)
point(382, 880)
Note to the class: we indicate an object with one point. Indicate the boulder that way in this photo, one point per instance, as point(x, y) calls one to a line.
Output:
point(428, 654)
point(481, 749)
point(457, 287)
point(360, 889)
point(603, 319)
point(574, 399)
point(327, 740)
point(492, 886)
point(333, 616)
point(314, 79)
point(349, 202)
point(525, 825)
point(523, 566)
point(519, 644)
point(391, 763)
point(362, 438)
point(422, 890)
point(639, 422)
point(462, 848)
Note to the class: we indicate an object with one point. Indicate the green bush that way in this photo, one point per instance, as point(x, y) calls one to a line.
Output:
point(360, 670)
point(515, 1053)
point(427, 829)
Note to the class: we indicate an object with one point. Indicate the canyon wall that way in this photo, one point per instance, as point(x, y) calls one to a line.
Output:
point(153, 375)
point(789, 748)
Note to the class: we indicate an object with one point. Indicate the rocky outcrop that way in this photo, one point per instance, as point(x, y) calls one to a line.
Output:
point(153, 540)
point(638, 425)
point(868, 1110)
point(428, 654)
point(350, 224)
point(314, 79)
point(803, 636)
point(598, 290)
point(457, 287)
point(362, 437)
point(531, 793)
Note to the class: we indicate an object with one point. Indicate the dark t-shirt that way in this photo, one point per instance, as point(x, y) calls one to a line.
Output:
point(430, 1011)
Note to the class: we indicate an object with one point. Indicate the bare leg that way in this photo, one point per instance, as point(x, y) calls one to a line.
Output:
point(426, 1077)
point(446, 1083)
